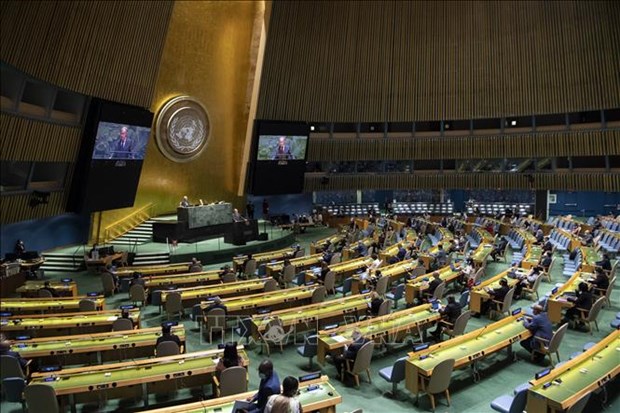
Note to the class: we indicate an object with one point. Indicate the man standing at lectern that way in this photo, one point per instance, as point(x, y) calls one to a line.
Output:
point(282, 150)
point(185, 202)
point(123, 148)
point(237, 217)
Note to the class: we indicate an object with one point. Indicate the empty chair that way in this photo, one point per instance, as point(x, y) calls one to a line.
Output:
point(381, 287)
point(385, 307)
point(108, 284)
point(345, 287)
point(122, 324)
point(396, 294)
point(45, 294)
point(167, 348)
point(137, 293)
point(288, 275)
point(215, 320)
point(309, 349)
point(335, 258)
point(196, 316)
point(10, 367)
point(439, 382)
point(41, 398)
point(250, 268)
point(502, 307)
point(274, 333)
point(87, 305)
point(394, 374)
point(464, 299)
point(552, 346)
point(318, 295)
point(361, 363)
point(607, 292)
point(531, 291)
point(510, 404)
point(329, 282)
point(13, 389)
point(233, 380)
point(174, 304)
point(229, 277)
point(244, 329)
point(589, 317)
point(458, 328)
point(271, 285)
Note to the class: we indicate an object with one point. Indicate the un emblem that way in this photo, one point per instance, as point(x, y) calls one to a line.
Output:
point(182, 129)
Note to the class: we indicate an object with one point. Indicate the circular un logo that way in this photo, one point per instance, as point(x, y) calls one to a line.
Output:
point(182, 129)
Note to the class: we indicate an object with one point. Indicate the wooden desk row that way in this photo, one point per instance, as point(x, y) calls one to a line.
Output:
point(558, 300)
point(315, 395)
point(532, 256)
point(194, 295)
point(565, 385)
point(416, 287)
point(31, 288)
point(391, 328)
point(252, 304)
point(93, 348)
point(313, 316)
point(478, 294)
point(344, 269)
point(134, 378)
point(265, 257)
point(319, 245)
point(50, 305)
point(63, 324)
point(185, 279)
point(175, 268)
point(274, 269)
point(465, 350)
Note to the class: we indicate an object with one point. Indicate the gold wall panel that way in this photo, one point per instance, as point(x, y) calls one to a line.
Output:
point(606, 182)
point(24, 139)
point(206, 56)
point(542, 144)
point(15, 208)
point(347, 61)
point(108, 49)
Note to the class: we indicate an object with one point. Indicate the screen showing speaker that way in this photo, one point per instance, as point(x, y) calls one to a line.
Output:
point(279, 157)
point(111, 155)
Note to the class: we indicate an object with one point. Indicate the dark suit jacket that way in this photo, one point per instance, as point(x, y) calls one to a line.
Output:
point(432, 286)
point(123, 152)
point(500, 293)
point(540, 326)
point(374, 306)
point(354, 347)
point(584, 300)
point(451, 312)
point(169, 337)
point(16, 355)
point(266, 388)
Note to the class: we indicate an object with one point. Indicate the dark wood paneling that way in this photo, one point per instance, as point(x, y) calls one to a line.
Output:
point(428, 60)
point(24, 139)
point(108, 49)
point(572, 182)
point(543, 144)
point(15, 208)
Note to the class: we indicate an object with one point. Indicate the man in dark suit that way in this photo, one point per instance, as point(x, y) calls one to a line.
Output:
point(600, 281)
point(540, 326)
point(350, 351)
point(374, 304)
point(282, 150)
point(268, 386)
point(217, 303)
point(440, 256)
point(496, 294)
point(167, 335)
point(605, 263)
point(137, 280)
point(449, 313)
point(5, 350)
point(499, 248)
point(48, 287)
point(123, 148)
point(583, 301)
point(432, 286)
point(195, 266)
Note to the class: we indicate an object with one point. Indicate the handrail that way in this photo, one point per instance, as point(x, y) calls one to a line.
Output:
point(141, 214)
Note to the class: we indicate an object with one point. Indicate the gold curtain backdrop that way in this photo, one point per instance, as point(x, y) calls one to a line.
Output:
point(542, 144)
point(348, 61)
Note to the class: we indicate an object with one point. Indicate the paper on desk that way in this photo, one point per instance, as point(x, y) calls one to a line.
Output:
point(113, 318)
point(339, 339)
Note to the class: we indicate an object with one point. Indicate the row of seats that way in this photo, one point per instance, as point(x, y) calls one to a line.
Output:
point(564, 224)
point(610, 224)
point(352, 209)
point(610, 242)
point(408, 208)
point(515, 240)
point(559, 240)
point(485, 223)
point(474, 239)
point(572, 265)
point(495, 208)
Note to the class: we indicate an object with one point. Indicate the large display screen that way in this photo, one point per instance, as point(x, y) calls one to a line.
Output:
point(120, 141)
point(279, 159)
point(111, 156)
point(281, 148)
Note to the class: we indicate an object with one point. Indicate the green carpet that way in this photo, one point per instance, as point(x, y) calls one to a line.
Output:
point(499, 375)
